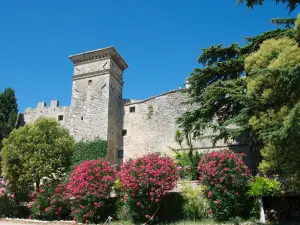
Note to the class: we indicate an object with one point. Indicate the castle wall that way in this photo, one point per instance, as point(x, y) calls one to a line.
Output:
point(61, 114)
point(151, 128)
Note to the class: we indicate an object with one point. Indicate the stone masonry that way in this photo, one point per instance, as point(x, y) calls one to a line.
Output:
point(131, 127)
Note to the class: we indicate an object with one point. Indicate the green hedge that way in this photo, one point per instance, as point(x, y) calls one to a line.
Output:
point(89, 150)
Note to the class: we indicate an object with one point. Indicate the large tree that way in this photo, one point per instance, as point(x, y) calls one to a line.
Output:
point(8, 112)
point(234, 90)
point(291, 4)
point(42, 149)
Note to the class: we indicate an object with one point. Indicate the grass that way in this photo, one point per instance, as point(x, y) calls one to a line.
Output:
point(183, 222)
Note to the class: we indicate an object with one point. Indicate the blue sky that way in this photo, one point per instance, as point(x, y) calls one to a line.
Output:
point(159, 39)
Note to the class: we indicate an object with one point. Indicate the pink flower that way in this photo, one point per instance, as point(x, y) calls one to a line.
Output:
point(209, 194)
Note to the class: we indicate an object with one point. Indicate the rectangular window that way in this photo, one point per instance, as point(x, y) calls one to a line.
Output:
point(60, 117)
point(90, 82)
point(120, 154)
point(124, 132)
point(132, 109)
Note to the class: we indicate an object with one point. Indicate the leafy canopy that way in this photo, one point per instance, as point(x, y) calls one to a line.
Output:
point(42, 149)
point(252, 91)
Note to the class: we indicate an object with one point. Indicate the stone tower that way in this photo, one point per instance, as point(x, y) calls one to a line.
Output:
point(96, 104)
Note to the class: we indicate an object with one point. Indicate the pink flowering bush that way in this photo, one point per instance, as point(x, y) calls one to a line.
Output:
point(88, 190)
point(49, 203)
point(226, 177)
point(8, 203)
point(144, 182)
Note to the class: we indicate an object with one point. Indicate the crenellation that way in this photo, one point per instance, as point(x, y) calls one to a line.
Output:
point(42, 105)
point(54, 103)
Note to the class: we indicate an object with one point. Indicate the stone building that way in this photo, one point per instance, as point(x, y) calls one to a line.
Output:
point(131, 127)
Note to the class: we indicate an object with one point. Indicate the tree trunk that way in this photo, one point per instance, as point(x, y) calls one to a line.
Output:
point(37, 185)
point(262, 218)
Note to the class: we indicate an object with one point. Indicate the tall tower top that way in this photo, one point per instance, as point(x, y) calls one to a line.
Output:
point(99, 54)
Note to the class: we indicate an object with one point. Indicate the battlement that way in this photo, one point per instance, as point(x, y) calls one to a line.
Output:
point(54, 104)
point(99, 54)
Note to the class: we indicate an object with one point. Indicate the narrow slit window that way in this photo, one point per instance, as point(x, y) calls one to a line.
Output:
point(124, 132)
point(90, 82)
point(60, 117)
point(132, 109)
point(81, 118)
point(120, 154)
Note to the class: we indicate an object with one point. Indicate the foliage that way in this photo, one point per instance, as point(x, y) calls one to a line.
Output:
point(188, 162)
point(251, 91)
point(8, 204)
point(49, 203)
point(196, 206)
point(291, 4)
point(226, 177)
point(274, 95)
point(42, 149)
point(179, 137)
point(144, 182)
point(89, 188)
point(8, 112)
point(89, 150)
point(262, 186)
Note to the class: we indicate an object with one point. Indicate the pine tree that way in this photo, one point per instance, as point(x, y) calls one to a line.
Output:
point(291, 4)
point(251, 91)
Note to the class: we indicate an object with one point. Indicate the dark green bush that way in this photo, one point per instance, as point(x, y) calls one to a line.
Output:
point(188, 161)
point(89, 150)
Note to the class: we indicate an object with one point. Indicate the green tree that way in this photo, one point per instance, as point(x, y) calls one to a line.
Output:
point(251, 91)
point(8, 112)
point(38, 150)
point(291, 4)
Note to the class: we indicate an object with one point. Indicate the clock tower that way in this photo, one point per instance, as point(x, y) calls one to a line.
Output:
point(96, 104)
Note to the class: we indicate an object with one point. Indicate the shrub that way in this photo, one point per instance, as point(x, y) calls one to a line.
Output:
point(7, 201)
point(89, 189)
point(188, 161)
point(226, 177)
point(262, 186)
point(196, 206)
point(144, 182)
point(49, 203)
point(89, 150)
point(38, 150)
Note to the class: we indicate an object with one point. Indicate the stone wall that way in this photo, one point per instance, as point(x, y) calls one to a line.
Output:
point(152, 126)
point(61, 114)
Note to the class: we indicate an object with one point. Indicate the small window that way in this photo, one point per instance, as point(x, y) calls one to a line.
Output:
point(90, 82)
point(120, 154)
point(81, 118)
point(60, 117)
point(124, 132)
point(132, 109)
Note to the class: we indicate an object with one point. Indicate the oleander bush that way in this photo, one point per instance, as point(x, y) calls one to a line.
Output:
point(89, 188)
point(50, 203)
point(144, 183)
point(8, 203)
point(226, 177)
